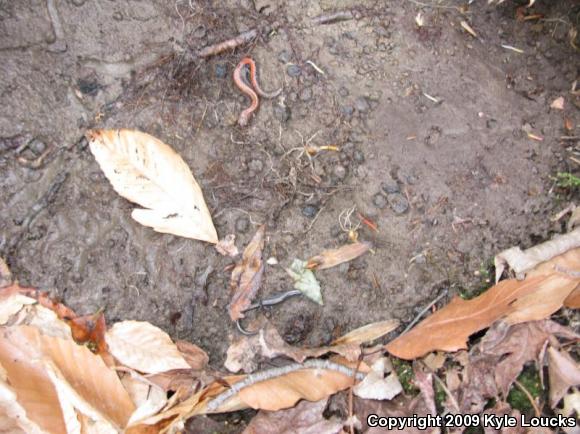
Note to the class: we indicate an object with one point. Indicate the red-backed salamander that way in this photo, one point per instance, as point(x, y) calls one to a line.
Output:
point(245, 116)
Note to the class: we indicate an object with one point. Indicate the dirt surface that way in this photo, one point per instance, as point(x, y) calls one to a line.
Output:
point(449, 183)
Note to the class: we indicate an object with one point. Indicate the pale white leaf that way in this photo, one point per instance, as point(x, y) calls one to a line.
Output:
point(144, 347)
point(376, 386)
point(147, 397)
point(146, 171)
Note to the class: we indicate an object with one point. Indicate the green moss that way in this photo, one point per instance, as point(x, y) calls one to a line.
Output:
point(485, 274)
point(440, 395)
point(530, 379)
point(404, 370)
point(567, 180)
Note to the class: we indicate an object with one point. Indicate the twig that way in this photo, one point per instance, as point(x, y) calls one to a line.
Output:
point(530, 397)
point(333, 17)
point(242, 38)
point(314, 220)
point(424, 311)
point(268, 374)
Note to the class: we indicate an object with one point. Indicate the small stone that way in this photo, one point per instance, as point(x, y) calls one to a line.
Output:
point(221, 70)
point(293, 70)
point(346, 110)
point(284, 56)
point(281, 112)
point(398, 203)
point(37, 146)
point(306, 94)
point(118, 16)
point(361, 104)
point(379, 201)
point(78, 2)
point(358, 156)
point(310, 211)
point(88, 86)
point(242, 224)
point(256, 165)
point(389, 185)
point(343, 91)
point(339, 172)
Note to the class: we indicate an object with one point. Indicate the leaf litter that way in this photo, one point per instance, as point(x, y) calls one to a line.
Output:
point(63, 372)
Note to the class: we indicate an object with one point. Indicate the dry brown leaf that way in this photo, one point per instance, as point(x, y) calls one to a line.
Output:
point(193, 355)
point(147, 397)
point(246, 351)
point(449, 328)
point(573, 300)
point(283, 392)
point(305, 418)
point(144, 347)
point(148, 172)
point(247, 276)
point(424, 381)
point(49, 375)
point(564, 373)
point(90, 329)
point(331, 258)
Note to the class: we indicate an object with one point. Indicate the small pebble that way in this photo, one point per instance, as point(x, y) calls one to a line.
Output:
point(220, 70)
point(343, 91)
point(256, 165)
point(284, 56)
point(379, 201)
point(398, 203)
point(242, 224)
point(118, 16)
point(306, 94)
point(281, 112)
point(358, 156)
point(78, 2)
point(88, 86)
point(339, 172)
point(37, 146)
point(389, 185)
point(293, 70)
point(346, 110)
point(362, 105)
point(310, 211)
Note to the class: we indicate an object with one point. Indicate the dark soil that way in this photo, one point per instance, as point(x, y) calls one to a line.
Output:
point(448, 183)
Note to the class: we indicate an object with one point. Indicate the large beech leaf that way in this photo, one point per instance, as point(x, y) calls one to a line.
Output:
point(146, 171)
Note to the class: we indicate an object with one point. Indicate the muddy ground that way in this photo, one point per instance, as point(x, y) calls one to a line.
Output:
point(449, 183)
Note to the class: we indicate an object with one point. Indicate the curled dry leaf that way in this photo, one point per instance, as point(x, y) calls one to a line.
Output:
point(144, 347)
point(247, 276)
point(148, 172)
point(194, 355)
point(564, 373)
point(524, 261)
point(306, 417)
point(331, 258)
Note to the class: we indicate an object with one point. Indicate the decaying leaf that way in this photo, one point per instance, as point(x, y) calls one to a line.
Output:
point(148, 172)
point(378, 386)
point(90, 329)
point(245, 353)
point(247, 276)
point(524, 261)
point(144, 347)
point(331, 258)
point(424, 381)
point(306, 417)
point(305, 281)
point(227, 246)
point(11, 304)
point(148, 398)
point(564, 373)
point(558, 103)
